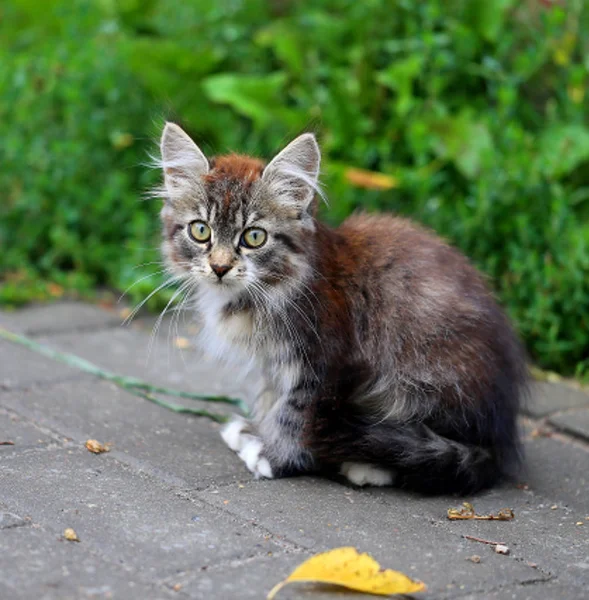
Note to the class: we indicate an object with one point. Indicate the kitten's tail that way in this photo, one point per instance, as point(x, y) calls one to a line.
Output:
point(421, 459)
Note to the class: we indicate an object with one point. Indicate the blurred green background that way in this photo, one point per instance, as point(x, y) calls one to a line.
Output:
point(470, 116)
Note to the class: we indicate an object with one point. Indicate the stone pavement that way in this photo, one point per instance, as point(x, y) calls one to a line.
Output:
point(170, 512)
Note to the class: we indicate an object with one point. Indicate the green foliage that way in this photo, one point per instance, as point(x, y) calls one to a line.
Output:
point(476, 110)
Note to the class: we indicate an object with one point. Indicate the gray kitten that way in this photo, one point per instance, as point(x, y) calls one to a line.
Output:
point(385, 356)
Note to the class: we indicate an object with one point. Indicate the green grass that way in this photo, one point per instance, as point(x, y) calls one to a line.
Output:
point(476, 110)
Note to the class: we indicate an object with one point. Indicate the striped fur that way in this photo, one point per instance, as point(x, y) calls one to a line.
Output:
point(385, 356)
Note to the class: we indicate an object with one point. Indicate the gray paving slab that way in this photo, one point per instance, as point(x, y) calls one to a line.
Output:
point(23, 434)
point(403, 532)
point(551, 590)
point(177, 447)
point(540, 535)
point(61, 316)
point(574, 422)
point(9, 520)
point(559, 470)
point(54, 569)
point(21, 367)
point(547, 398)
point(170, 508)
point(124, 516)
point(171, 326)
point(131, 352)
point(254, 579)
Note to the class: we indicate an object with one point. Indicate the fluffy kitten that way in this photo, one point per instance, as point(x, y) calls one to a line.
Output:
point(385, 357)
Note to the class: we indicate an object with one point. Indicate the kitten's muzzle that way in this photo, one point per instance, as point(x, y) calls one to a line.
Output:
point(220, 270)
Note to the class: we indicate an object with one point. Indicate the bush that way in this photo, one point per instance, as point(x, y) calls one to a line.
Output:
point(471, 117)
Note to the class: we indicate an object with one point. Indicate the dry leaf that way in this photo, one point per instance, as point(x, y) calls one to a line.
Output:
point(468, 512)
point(55, 290)
point(371, 180)
point(125, 313)
point(347, 568)
point(70, 535)
point(182, 343)
point(96, 447)
point(542, 431)
point(475, 558)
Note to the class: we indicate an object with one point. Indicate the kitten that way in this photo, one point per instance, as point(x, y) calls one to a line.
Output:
point(384, 354)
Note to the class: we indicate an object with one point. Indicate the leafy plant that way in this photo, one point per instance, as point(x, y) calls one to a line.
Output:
point(473, 114)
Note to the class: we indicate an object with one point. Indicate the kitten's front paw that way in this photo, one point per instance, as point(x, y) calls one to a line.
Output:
point(236, 433)
point(251, 454)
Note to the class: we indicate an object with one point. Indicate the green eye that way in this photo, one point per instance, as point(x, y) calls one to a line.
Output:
point(200, 231)
point(253, 237)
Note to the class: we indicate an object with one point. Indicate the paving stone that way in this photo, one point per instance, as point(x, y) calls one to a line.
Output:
point(21, 367)
point(548, 398)
point(253, 581)
point(130, 352)
point(551, 590)
point(156, 440)
point(8, 519)
point(61, 316)
point(539, 535)
point(126, 517)
point(401, 531)
point(15, 429)
point(558, 470)
point(50, 568)
point(575, 422)
point(169, 328)
point(170, 505)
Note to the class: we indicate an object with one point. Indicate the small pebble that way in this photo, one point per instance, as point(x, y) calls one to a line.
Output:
point(501, 549)
point(475, 558)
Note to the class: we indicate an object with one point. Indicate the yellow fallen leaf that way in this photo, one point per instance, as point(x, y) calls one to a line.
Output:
point(347, 568)
point(370, 180)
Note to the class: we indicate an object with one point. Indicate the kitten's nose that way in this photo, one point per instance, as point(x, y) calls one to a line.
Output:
point(220, 270)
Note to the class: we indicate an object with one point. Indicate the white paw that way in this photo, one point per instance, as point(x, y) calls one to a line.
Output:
point(250, 454)
point(233, 433)
point(364, 474)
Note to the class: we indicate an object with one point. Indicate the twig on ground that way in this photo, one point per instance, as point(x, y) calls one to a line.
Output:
point(481, 540)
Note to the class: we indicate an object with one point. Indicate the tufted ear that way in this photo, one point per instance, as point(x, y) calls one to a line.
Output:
point(182, 160)
point(294, 172)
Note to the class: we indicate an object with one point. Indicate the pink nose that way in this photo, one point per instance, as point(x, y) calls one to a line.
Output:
point(220, 270)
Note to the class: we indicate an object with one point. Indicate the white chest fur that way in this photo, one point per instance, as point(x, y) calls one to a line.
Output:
point(225, 336)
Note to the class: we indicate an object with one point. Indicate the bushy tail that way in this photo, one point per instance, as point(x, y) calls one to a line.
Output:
point(422, 460)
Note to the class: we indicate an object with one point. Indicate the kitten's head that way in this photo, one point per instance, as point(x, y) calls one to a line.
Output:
point(233, 223)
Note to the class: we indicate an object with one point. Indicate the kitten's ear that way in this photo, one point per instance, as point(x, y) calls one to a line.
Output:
point(182, 160)
point(296, 170)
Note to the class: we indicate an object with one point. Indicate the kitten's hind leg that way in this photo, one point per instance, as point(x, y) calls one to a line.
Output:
point(364, 474)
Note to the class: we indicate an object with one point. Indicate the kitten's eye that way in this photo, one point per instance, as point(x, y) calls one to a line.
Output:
point(200, 231)
point(253, 237)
